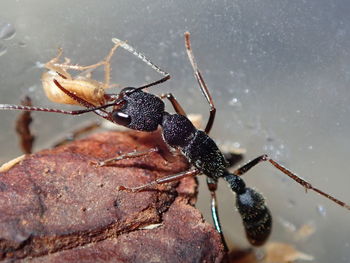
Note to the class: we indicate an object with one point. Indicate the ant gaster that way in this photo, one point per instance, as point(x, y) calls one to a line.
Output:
point(142, 111)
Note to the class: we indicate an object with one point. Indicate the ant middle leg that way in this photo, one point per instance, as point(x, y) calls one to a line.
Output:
point(163, 180)
point(201, 83)
point(125, 156)
point(245, 168)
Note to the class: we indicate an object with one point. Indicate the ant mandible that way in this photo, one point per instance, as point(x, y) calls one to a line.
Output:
point(142, 111)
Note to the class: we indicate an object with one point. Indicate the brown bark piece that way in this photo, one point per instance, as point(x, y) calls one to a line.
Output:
point(26, 138)
point(55, 206)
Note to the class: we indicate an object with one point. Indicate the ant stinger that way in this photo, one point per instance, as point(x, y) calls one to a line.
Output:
point(142, 111)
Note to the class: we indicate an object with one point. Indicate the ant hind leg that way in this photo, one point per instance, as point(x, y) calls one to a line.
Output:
point(212, 186)
point(245, 168)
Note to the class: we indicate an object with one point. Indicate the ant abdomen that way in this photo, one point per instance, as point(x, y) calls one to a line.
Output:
point(256, 217)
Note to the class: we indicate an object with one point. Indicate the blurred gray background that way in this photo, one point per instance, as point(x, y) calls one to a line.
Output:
point(279, 72)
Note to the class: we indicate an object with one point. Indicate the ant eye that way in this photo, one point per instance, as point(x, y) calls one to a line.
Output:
point(127, 90)
point(121, 118)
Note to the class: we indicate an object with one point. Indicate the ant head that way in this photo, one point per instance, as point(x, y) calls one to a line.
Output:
point(133, 108)
point(138, 110)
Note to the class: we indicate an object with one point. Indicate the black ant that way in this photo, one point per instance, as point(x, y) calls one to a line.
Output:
point(142, 111)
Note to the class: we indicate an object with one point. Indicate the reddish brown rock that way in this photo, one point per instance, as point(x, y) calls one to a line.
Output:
point(55, 206)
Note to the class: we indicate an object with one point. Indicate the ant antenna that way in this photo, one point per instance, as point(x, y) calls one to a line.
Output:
point(33, 108)
point(141, 56)
point(99, 110)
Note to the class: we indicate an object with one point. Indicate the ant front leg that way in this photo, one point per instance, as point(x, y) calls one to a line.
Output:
point(125, 156)
point(164, 180)
point(201, 84)
point(176, 105)
point(292, 175)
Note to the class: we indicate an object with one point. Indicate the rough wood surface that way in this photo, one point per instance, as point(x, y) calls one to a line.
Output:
point(55, 206)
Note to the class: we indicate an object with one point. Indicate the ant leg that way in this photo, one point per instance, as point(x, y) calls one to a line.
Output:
point(176, 105)
point(167, 179)
point(194, 118)
point(125, 156)
point(292, 175)
point(212, 186)
point(201, 83)
point(141, 56)
point(232, 158)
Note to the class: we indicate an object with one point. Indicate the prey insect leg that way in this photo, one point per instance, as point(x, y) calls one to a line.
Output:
point(54, 66)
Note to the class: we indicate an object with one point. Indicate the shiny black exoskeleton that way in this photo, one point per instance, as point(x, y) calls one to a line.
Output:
point(143, 111)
